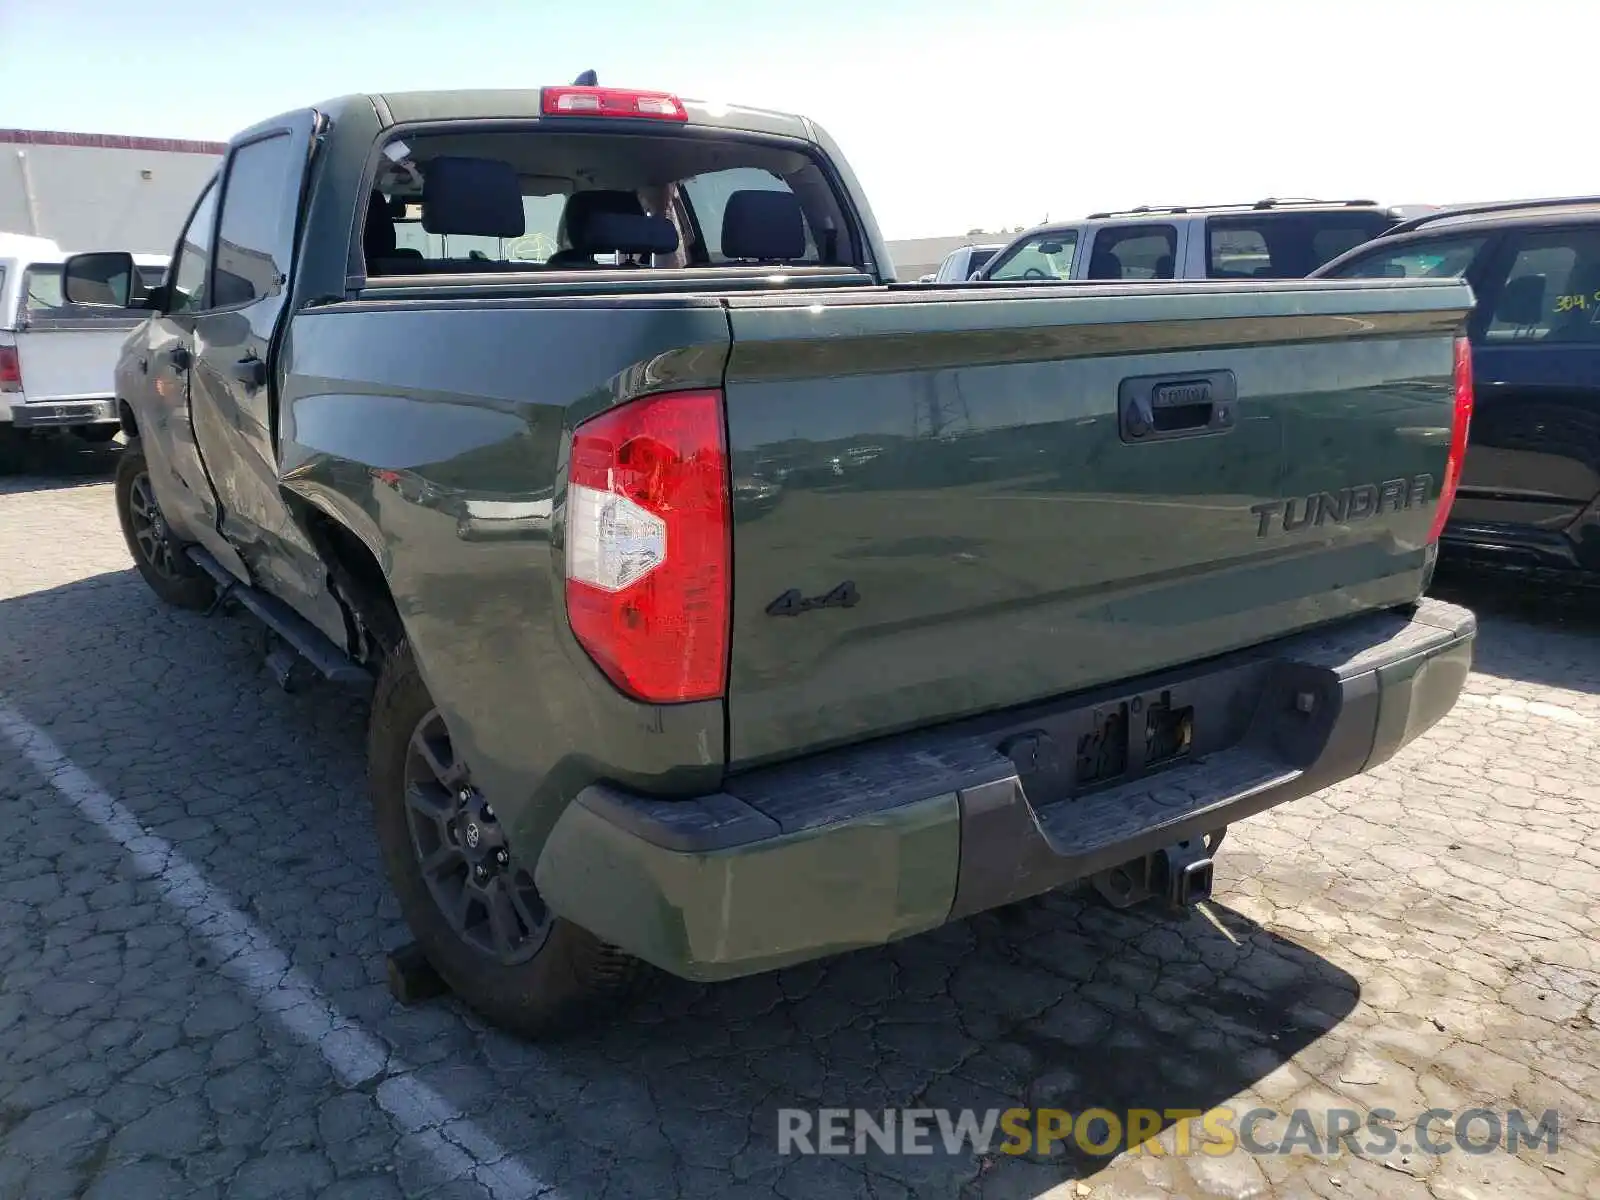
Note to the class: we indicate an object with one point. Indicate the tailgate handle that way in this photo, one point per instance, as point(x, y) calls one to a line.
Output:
point(1154, 408)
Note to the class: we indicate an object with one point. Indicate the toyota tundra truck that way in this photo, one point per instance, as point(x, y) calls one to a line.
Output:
point(727, 603)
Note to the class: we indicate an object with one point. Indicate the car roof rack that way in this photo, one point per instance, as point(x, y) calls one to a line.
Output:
point(1473, 210)
point(1259, 205)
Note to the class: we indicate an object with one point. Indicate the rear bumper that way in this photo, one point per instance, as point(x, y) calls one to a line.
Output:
point(1575, 549)
point(862, 846)
point(63, 413)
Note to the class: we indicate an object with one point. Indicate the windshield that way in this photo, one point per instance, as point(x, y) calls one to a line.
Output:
point(1437, 258)
point(1043, 256)
point(1285, 245)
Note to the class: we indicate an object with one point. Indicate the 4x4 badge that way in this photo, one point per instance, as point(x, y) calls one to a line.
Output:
point(792, 603)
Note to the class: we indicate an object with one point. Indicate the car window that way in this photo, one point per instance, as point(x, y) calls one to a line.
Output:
point(562, 180)
point(1045, 256)
point(259, 202)
point(1285, 245)
point(708, 198)
point(1437, 258)
point(194, 255)
point(1552, 291)
point(1134, 252)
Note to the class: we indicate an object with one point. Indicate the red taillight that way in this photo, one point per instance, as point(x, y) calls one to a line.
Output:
point(612, 102)
point(649, 552)
point(1459, 426)
point(10, 370)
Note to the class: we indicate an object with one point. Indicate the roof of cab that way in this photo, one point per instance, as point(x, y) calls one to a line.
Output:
point(520, 104)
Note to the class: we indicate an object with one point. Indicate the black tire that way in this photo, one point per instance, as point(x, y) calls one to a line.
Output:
point(97, 435)
point(161, 560)
point(570, 978)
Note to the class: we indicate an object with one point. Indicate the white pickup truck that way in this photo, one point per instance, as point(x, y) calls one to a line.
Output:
point(56, 358)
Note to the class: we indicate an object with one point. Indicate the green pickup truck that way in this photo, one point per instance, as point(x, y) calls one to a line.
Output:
point(728, 604)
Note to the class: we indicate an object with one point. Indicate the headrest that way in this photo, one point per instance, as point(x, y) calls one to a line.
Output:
point(626, 233)
point(763, 225)
point(1521, 301)
point(581, 207)
point(472, 196)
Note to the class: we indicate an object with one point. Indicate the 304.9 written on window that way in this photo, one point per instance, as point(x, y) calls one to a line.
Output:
point(1552, 291)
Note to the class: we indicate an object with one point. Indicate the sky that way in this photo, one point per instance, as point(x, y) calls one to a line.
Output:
point(955, 114)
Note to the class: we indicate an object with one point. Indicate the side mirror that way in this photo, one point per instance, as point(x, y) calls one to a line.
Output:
point(104, 279)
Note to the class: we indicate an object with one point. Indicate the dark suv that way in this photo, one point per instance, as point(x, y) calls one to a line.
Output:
point(1530, 488)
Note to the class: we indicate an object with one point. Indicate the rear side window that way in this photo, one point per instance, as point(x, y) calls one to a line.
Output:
point(1046, 256)
point(1285, 245)
point(467, 203)
point(1135, 252)
point(1437, 258)
point(257, 208)
point(1552, 291)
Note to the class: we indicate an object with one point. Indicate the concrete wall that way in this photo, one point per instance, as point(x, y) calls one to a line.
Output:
point(93, 191)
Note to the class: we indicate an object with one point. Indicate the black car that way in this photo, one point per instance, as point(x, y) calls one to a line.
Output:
point(1530, 489)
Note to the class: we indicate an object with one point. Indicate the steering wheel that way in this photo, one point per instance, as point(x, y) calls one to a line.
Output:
point(1034, 273)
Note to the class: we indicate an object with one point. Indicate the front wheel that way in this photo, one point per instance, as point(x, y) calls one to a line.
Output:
point(171, 574)
point(467, 898)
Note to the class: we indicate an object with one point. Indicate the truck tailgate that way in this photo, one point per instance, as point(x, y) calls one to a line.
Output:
point(946, 503)
point(70, 360)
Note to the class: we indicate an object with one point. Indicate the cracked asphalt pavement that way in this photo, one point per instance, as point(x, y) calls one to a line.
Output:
point(1425, 936)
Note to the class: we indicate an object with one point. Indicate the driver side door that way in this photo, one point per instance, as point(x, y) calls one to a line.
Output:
point(156, 378)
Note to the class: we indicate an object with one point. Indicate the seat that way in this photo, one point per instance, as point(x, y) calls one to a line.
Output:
point(377, 236)
point(627, 233)
point(472, 197)
point(1103, 264)
point(763, 226)
point(1521, 303)
point(1164, 266)
point(581, 208)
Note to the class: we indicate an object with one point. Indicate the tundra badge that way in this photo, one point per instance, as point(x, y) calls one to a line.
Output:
point(1343, 507)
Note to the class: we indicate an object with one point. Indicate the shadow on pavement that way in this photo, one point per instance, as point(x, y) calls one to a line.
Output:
point(1058, 1002)
point(1531, 629)
point(41, 464)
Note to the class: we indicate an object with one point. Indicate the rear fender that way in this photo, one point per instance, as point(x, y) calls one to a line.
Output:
point(448, 468)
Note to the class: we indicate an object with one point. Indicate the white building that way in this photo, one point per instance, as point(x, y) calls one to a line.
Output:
point(90, 191)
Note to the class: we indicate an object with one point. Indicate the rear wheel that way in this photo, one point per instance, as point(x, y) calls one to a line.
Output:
point(158, 555)
point(468, 899)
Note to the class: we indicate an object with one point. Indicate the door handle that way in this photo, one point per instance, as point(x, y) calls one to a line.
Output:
point(251, 371)
point(180, 358)
point(1154, 408)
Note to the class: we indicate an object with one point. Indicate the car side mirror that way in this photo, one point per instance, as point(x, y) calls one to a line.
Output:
point(103, 279)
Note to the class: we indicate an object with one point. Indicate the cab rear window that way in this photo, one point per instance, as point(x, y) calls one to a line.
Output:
point(541, 200)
